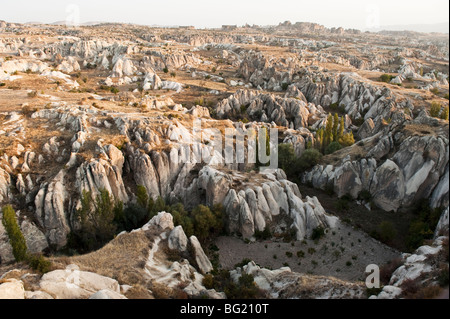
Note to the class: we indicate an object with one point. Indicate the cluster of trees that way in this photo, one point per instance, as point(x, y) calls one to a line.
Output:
point(100, 219)
point(423, 225)
point(333, 136)
point(292, 165)
point(436, 110)
point(18, 242)
point(328, 140)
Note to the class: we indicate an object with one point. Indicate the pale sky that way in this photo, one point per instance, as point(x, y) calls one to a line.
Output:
point(362, 14)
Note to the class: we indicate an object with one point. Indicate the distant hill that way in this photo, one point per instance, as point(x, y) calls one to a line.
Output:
point(426, 28)
point(63, 22)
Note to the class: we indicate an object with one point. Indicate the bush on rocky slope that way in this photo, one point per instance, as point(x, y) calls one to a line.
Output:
point(16, 238)
point(18, 242)
point(422, 228)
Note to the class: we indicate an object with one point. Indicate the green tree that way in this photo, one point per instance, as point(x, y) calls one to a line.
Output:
point(335, 127)
point(319, 139)
point(328, 135)
point(141, 196)
point(97, 221)
point(182, 218)
point(205, 223)
point(341, 129)
point(159, 206)
point(286, 156)
point(16, 238)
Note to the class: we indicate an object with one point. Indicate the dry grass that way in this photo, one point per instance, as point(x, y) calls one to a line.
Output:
point(122, 259)
point(139, 292)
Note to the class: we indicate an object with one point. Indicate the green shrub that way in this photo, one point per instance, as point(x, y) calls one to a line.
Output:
point(132, 217)
point(16, 238)
point(343, 203)
point(333, 147)
point(265, 234)
point(245, 288)
point(422, 227)
point(208, 281)
point(39, 263)
point(317, 233)
point(114, 90)
point(96, 218)
point(309, 158)
point(435, 109)
point(182, 218)
point(166, 70)
point(387, 231)
point(444, 113)
point(284, 86)
point(386, 78)
point(435, 91)
point(142, 196)
point(300, 254)
point(365, 195)
point(286, 156)
point(205, 222)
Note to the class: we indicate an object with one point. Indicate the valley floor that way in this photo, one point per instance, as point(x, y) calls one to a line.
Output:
point(343, 252)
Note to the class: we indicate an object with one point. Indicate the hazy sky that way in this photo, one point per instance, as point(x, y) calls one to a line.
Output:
point(361, 14)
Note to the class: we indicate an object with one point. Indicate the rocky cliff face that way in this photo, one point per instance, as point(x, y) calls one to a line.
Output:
point(89, 109)
point(397, 171)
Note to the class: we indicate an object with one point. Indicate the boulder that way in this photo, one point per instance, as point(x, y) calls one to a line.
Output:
point(35, 238)
point(71, 283)
point(177, 239)
point(12, 289)
point(201, 259)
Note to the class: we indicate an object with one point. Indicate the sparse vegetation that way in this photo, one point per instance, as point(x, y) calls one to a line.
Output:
point(96, 221)
point(318, 233)
point(386, 78)
point(18, 242)
point(244, 289)
point(422, 227)
point(19, 246)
